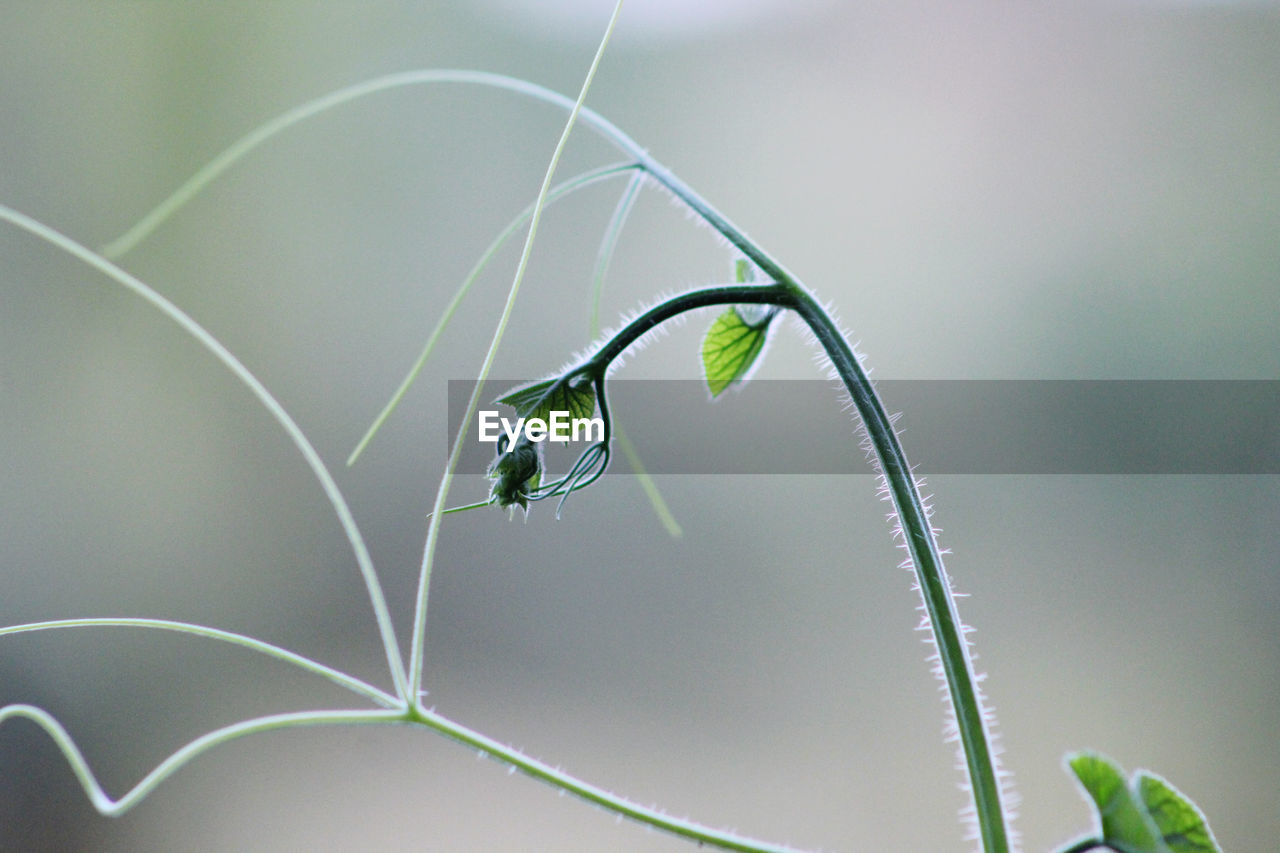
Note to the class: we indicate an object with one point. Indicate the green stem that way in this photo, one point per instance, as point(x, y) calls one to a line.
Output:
point(557, 193)
point(926, 558)
point(300, 441)
point(659, 504)
point(609, 243)
point(340, 678)
point(912, 514)
point(604, 257)
point(728, 294)
point(208, 173)
point(689, 830)
point(908, 503)
point(935, 587)
point(111, 807)
point(418, 642)
point(416, 716)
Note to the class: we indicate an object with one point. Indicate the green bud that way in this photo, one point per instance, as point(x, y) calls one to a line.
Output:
point(516, 474)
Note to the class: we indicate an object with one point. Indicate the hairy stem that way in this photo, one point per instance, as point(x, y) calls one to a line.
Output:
point(918, 534)
point(701, 835)
point(603, 258)
point(729, 294)
point(953, 651)
point(926, 560)
point(787, 291)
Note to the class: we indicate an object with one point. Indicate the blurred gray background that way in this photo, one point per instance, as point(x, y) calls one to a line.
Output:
point(982, 190)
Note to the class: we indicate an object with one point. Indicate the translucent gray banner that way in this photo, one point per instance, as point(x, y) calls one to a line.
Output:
point(946, 427)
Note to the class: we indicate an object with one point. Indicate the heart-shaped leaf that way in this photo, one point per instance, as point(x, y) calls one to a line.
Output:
point(731, 347)
point(737, 337)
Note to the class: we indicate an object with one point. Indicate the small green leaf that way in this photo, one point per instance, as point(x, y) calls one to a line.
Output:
point(540, 399)
point(737, 337)
point(731, 347)
point(1179, 821)
point(1122, 819)
point(1147, 816)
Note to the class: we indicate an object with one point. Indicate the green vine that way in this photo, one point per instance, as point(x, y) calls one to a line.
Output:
point(1142, 815)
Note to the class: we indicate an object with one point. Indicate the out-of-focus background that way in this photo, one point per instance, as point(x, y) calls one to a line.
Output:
point(982, 190)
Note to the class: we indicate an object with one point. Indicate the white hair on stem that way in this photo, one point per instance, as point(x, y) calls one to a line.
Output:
point(951, 727)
